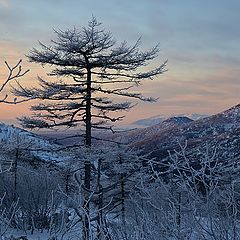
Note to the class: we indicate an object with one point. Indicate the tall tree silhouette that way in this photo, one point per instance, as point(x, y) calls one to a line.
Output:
point(91, 69)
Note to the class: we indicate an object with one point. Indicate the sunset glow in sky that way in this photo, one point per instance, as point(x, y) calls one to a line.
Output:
point(200, 39)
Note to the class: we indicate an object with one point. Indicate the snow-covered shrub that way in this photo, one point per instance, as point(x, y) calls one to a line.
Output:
point(185, 197)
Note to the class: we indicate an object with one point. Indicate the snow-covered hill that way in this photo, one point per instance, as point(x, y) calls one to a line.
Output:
point(148, 122)
point(220, 130)
point(14, 139)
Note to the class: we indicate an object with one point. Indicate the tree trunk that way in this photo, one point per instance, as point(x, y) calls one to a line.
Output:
point(178, 215)
point(87, 164)
point(122, 183)
point(15, 175)
point(67, 177)
point(100, 201)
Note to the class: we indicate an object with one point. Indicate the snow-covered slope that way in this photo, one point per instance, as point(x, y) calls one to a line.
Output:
point(221, 130)
point(151, 132)
point(13, 138)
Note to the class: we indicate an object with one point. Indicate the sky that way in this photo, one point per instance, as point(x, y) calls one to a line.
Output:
point(200, 40)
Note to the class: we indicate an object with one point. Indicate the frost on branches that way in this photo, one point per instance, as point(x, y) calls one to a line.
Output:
point(90, 69)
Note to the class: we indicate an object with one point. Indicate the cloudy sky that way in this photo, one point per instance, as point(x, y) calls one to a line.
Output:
point(200, 39)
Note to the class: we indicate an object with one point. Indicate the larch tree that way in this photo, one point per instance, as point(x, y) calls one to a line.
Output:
point(92, 71)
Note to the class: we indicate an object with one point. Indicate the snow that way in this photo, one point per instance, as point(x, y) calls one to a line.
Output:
point(39, 147)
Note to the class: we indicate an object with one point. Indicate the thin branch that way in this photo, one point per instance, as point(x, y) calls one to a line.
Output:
point(15, 72)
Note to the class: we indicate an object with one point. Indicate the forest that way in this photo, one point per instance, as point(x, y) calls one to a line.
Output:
point(69, 173)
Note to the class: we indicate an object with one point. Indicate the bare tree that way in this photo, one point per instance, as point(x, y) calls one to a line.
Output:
point(193, 198)
point(14, 73)
point(94, 67)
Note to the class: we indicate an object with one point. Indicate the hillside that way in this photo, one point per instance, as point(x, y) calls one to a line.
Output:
point(14, 139)
point(220, 130)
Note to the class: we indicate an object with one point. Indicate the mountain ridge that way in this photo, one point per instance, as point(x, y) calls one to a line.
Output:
point(219, 129)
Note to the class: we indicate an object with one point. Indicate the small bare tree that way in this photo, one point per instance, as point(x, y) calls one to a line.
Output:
point(14, 73)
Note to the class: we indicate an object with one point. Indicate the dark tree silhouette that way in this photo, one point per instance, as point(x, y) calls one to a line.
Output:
point(94, 67)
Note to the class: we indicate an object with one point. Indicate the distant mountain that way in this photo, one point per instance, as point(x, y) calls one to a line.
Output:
point(147, 122)
point(220, 131)
point(147, 134)
point(193, 116)
point(177, 121)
